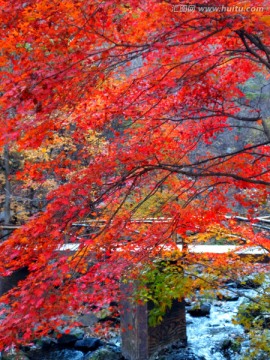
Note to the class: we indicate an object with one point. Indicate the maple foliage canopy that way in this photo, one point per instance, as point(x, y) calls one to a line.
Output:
point(159, 88)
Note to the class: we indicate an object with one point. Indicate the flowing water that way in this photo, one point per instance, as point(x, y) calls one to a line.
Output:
point(216, 337)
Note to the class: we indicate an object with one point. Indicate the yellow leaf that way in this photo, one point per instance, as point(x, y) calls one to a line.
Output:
point(266, 19)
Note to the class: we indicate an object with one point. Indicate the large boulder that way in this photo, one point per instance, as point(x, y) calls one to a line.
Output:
point(46, 342)
point(105, 353)
point(199, 309)
point(68, 336)
point(88, 344)
point(249, 282)
point(65, 354)
point(229, 348)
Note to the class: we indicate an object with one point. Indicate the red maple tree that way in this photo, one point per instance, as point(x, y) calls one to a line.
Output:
point(161, 86)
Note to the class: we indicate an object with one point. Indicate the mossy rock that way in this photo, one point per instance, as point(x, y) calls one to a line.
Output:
point(104, 353)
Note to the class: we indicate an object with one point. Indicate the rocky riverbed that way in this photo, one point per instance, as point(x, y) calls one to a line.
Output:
point(212, 335)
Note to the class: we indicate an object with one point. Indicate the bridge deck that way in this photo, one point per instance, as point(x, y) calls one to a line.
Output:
point(222, 249)
point(200, 249)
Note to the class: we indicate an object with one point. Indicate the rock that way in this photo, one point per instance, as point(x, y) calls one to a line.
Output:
point(47, 342)
point(231, 285)
point(67, 339)
point(105, 353)
point(65, 354)
point(250, 282)
point(88, 319)
point(76, 331)
point(227, 295)
point(187, 302)
point(88, 344)
point(115, 340)
point(108, 314)
point(103, 314)
point(180, 354)
point(17, 356)
point(214, 324)
point(199, 309)
point(226, 344)
point(229, 347)
point(218, 303)
point(71, 337)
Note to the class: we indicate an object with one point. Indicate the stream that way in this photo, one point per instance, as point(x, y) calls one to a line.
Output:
point(208, 336)
point(214, 337)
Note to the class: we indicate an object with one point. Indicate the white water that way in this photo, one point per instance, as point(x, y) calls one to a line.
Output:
point(206, 335)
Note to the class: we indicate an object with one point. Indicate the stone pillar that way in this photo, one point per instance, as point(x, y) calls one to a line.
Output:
point(142, 342)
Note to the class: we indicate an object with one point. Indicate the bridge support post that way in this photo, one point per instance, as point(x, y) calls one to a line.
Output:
point(142, 342)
